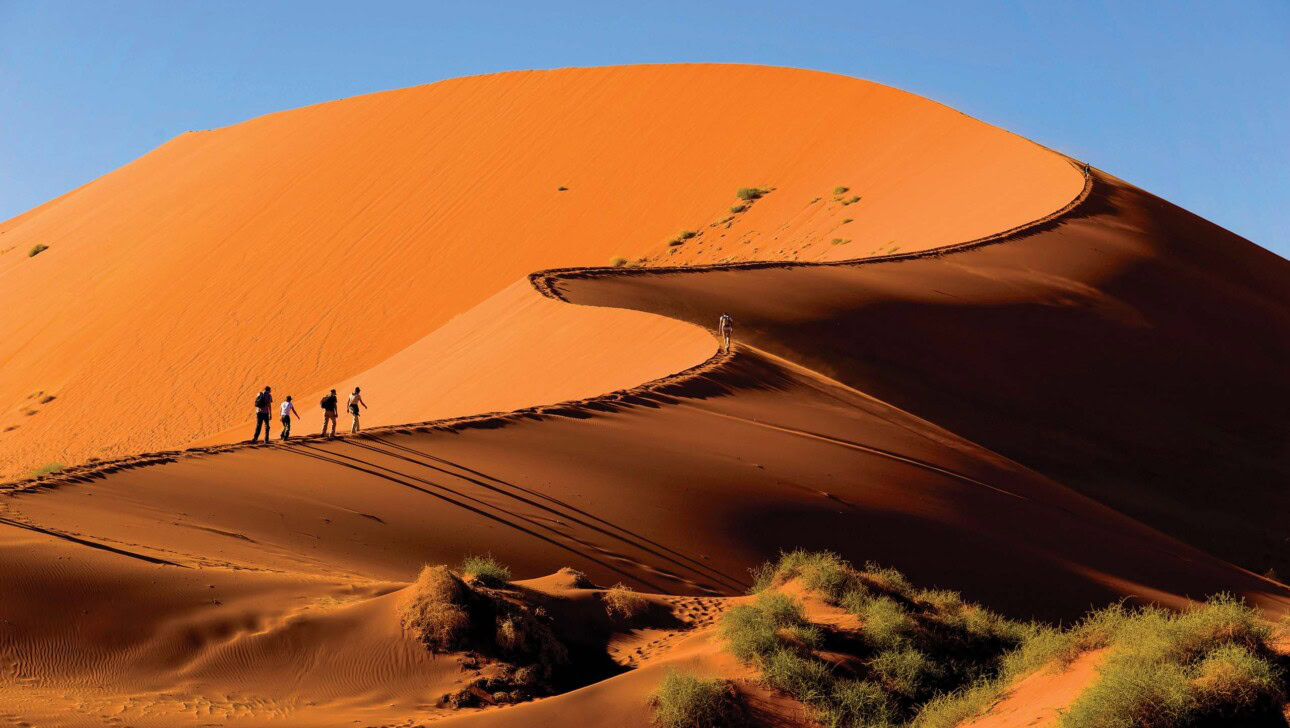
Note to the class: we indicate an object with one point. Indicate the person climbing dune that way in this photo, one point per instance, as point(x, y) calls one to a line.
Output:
point(263, 406)
point(726, 327)
point(329, 404)
point(288, 409)
point(355, 400)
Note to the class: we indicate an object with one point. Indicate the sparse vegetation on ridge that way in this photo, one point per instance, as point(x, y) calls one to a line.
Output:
point(47, 469)
point(618, 261)
point(841, 189)
point(485, 569)
point(738, 208)
point(930, 659)
point(685, 701)
point(37, 249)
point(621, 601)
point(851, 200)
point(748, 194)
point(447, 611)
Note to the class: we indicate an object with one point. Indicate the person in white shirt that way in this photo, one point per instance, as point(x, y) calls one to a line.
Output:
point(355, 400)
point(288, 409)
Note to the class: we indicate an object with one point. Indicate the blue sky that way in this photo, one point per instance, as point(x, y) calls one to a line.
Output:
point(1186, 99)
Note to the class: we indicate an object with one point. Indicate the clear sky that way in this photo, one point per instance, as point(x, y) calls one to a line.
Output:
point(1189, 100)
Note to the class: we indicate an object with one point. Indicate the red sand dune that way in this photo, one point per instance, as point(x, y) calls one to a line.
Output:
point(1034, 417)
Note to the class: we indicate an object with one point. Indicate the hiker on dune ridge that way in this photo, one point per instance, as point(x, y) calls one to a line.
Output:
point(329, 406)
point(726, 328)
point(355, 400)
point(263, 406)
point(288, 409)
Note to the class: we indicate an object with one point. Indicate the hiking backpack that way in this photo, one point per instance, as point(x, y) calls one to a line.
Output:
point(262, 400)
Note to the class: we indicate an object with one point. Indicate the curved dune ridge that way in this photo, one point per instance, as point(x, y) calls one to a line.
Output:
point(303, 248)
point(1009, 416)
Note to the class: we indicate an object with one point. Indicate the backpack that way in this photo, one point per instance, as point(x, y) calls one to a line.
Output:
point(328, 402)
point(262, 400)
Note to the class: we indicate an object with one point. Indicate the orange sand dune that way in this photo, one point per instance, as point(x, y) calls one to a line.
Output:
point(1033, 417)
point(306, 247)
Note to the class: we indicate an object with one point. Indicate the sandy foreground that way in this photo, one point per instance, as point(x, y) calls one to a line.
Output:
point(994, 370)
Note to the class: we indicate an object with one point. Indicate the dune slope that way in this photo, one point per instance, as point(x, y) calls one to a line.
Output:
point(1033, 417)
point(306, 247)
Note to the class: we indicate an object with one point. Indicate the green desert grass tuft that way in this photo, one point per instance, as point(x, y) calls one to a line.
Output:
point(738, 208)
point(748, 194)
point(840, 189)
point(435, 609)
point(37, 249)
point(485, 569)
point(622, 602)
point(47, 469)
point(685, 701)
point(933, 660)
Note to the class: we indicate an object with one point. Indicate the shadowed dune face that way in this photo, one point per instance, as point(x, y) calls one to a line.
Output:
point(1130, 350)
point(306, 247)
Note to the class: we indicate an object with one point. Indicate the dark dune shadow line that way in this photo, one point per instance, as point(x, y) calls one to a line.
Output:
point(91, 544)
point(702, 570)
point(477, 511)
point(535, 524)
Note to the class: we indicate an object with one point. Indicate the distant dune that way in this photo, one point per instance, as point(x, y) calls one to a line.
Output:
point(996, 370)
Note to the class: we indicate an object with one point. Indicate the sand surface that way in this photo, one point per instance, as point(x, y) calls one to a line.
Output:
point(1059, 391)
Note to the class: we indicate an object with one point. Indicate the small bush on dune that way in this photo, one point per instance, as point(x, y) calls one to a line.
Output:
point(435, 610)
point(622, 602)
point(580, 579)
point(748, 194)
point(841, 190)
point(851, 200)
point(738, 208)
point(47, 469)
point(485, 569)
point(37, 249)
point(618, 261)
point(684, 701)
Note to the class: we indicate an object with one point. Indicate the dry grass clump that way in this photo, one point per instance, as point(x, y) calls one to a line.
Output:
point(684, 701)
point(435, 610)
point(621, 601)
point(618, 261)
point(841, 189)
point(748, 194)
point(37, 249)
point(580, 579)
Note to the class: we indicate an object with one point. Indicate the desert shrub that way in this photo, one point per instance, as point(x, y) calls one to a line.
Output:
point(561, 188)
point(847, 220)
point(618, 261)
point(1168, 669)
point(685, 234)
point(837, 241)
point(519, 632)
point(435, 609)
point(37, 249)
point(622, 602)
point(851, 200)
point(840, 189)
point(47, 469)
point(485, 569)
point(748, 194)
point(738, 208)
point(684, 701)
point(580, 579)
